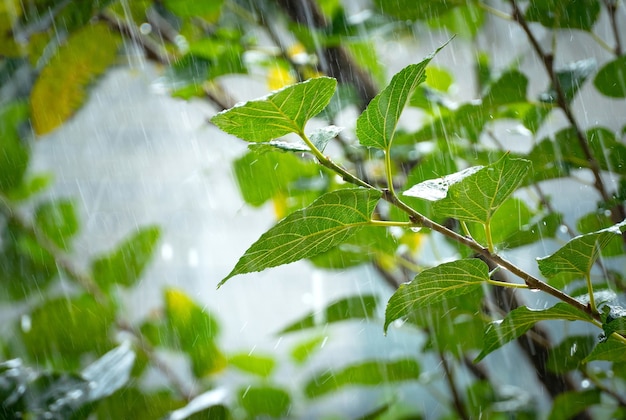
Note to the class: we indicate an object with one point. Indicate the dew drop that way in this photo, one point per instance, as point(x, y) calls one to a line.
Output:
point(415, 229)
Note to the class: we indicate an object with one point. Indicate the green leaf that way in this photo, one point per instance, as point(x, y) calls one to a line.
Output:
point(370, 373)
point(520, 320)
point(595, 221)
point(613, 350)
point(30, 186)
point(132, 403)
point(283, 112)
point(435, 285)
point(570, 353)
point(509, 88)
point(611, 79)
point(60, 89)
point(193, 331)
point(561, 14)
point(125, 265)
point(109, 373)
point(265, 401)
point(478, 196)
point(418, 10)
point(58, 221)
point(14, 156)
point(376, 126)
point(465, 20)
point(206, 9)
point(62, 329)
point(613, 320)
point(257, 365)
point(579, 254)
point(354, 307)
point(327, 222)
point(568, 404)
point(571, 77)
point(322, 136)
point(302, 352)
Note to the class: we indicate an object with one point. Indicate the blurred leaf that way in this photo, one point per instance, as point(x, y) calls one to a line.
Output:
point(509, 88)
point(60, 89)
point(125, 265)
point(438, 78)
point(302, 352)
point(570, 353)
point(58, 221)
point(571, 77)
point(593, 222)
point(520, 320)
point(613, 320)
point(611, 79)
point(354, 307)
point(257, 365)
point(29, 187)
point(265, 401)
point(195, 332)
point(57, 396)
point(476, 197)
point(465, 20)
point(285, 111)
point(132, 403)
point(327, 222)
point(568, 404)
point(261, 176)
point(209, 10)
point(612, 350)
point(560, 14)
point(14, 157)
point(370, 373)
point(14, 377)
point(61, 330)
point(466, 122)
point(578, 255)
point(210, 405)
point(436, 284)
point(110, 372)
point(417, 10)
point(376, 126)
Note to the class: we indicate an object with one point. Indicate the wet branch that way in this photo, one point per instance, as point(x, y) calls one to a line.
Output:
point(619, 213)
point(457, 401)
point(611, 7)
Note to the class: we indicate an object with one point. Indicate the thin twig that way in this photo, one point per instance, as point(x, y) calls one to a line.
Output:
point(459, 407)
point(611, 6)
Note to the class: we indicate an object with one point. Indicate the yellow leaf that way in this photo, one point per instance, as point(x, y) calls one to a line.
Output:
point(279, 77)
point(179, 304)
point(60, 89)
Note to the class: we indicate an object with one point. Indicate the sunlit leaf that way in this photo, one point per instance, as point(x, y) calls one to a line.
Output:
point(579, 254)
point(257, 365)
point(560, 14)
point(571, 77)
point(265, 401)
point(355, 307)
point(611, 79)
point(61, 330)
point(60, 89)
point(370, 373)
point(612, 350)
point(194, 331)
point(280, 113)
point(478, 196)
point(568, 404)
point(14, 155)
point(327, 222)
point(58, 221)
point(434, 285)
point(376, 126)
point(520, 320)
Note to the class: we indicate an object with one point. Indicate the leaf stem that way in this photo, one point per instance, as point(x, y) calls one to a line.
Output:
point(389, 223)
point(388, 171)
point(507, 284)
point(592, 301)
point(488, 235)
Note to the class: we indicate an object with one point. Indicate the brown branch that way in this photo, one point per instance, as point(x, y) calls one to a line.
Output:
point(619, 212)
point(611, 7)
point(457, 401)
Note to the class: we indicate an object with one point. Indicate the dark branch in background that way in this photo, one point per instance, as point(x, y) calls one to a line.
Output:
point(334, 61)
point(457, 401)
point(611, 7)
point(618, 214)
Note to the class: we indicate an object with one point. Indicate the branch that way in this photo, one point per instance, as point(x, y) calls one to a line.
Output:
point(611, 7)
point(459, 407)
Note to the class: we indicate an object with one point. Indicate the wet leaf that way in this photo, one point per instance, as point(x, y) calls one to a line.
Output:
point(509, 88)
point(354, 307)
point(302, 352)
point(611, 79)
point(571, 77)
point(14, 157)
point(370, 373)
point(478, 196)
point(109, 373)
point(58, 221)
point(61, 330)
point(125, 265)
point(568, 404)
point(593, 222)
point(376, 126)
point(283, 112)
point(520, 320)
point(58, 396)
point(327, 222)
point(132, 403)
point(194, 331)
point(560, 14)
point(435, 285)
point(322, 136)
point(60, 89)
point(437, 189)
point(264, 401)
point(612, 350)
point(208, 405)
point(570, 353)
point(613, 320)
point(257, 365)
point(579, 254)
